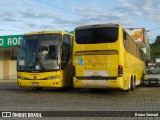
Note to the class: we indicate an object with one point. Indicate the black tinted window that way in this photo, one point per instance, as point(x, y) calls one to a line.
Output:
point(97, 35)
point(66, 51)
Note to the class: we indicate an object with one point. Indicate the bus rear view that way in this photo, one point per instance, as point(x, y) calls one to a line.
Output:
point(96, 56)
point(105, 56)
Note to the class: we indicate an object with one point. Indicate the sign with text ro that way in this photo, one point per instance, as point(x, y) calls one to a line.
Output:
point(10, 40)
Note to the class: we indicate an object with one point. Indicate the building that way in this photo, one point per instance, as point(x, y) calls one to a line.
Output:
point(8, 55)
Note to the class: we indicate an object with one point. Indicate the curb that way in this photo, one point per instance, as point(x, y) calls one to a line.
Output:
point(8, 81)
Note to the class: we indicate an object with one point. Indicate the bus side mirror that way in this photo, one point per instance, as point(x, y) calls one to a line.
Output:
point(124, 36)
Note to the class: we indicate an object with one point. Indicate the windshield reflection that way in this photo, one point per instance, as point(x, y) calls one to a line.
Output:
point(39, 52)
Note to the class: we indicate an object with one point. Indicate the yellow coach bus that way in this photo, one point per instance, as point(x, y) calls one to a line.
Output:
point(105, 57)
point(45, 60)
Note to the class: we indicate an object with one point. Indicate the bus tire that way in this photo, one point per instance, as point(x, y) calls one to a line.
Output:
point(68, 87)
point(71, 82)
point(132, 87)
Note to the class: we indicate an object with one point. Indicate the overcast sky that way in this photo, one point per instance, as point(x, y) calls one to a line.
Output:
point(21, 16)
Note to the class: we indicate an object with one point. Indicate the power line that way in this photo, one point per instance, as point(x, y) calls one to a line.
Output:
point(64, 9)
point(60, 8)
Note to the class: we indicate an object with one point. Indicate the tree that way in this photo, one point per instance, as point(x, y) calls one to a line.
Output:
point(157, 40)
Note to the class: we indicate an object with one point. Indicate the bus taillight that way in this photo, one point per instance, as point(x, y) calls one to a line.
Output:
point(120, 70)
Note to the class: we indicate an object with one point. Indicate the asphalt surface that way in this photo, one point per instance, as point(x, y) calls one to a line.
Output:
point(143, 98)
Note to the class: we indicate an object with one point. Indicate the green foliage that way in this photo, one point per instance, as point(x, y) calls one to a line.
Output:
point(71, 32)
point(155, 50)
point(157, 40)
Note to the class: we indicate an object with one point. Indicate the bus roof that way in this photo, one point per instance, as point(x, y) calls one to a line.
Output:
point(98, 25)
point(47, 32)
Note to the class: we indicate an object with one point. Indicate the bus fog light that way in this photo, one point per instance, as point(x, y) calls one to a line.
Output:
point(20, 77)
point(52, 77)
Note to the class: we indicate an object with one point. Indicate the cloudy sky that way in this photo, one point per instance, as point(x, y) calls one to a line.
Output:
point(21, 16)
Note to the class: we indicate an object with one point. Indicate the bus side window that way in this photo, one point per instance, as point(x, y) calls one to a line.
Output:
point(124, 35)
point(124, 38)
point(66, 48)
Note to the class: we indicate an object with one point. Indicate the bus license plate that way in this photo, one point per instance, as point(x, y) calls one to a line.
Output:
point(35, 83)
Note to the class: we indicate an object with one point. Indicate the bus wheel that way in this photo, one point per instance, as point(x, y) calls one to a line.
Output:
point(132, 87)
point(71, 82)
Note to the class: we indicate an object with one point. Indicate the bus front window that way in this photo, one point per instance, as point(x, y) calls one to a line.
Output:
point(39, 53)
point(27, 53)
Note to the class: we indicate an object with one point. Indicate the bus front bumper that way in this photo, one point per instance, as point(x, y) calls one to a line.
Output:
point(40, 83)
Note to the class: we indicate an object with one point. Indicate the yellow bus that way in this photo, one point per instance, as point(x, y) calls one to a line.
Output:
point(45, 60)
point(105, 56)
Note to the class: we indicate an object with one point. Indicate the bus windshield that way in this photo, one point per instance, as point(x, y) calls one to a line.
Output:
point(96, 35)
point(39, 53)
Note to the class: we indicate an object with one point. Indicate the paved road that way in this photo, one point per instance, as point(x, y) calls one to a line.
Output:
point(13, 98)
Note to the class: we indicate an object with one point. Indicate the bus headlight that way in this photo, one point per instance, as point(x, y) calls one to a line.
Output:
point(52, 77)
point(20, 77)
